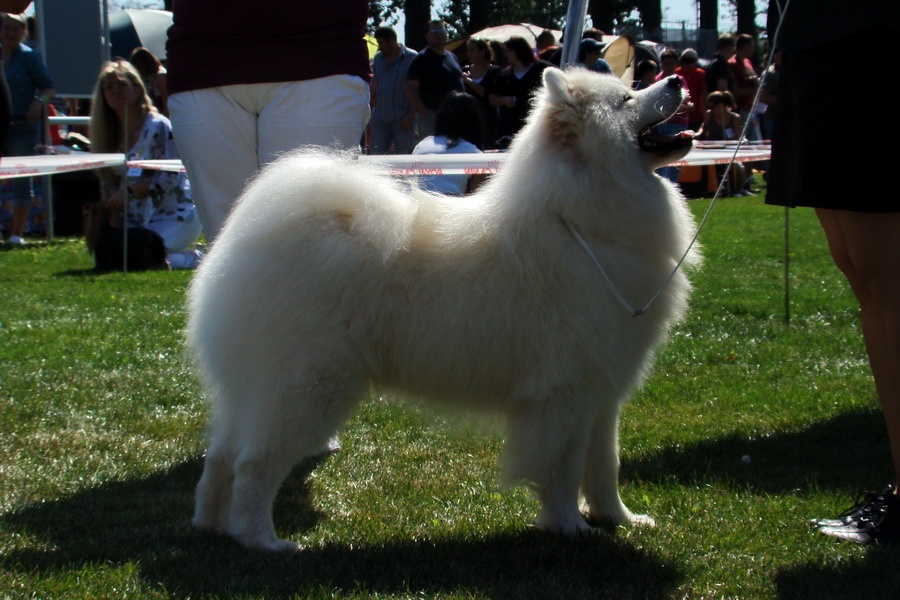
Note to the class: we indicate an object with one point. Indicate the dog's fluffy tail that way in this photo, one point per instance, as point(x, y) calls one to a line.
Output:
point(319, 183)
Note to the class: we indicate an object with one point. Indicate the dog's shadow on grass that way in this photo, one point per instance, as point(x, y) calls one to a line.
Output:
point(145, 522)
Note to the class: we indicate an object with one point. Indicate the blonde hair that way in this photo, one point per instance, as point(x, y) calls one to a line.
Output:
point(107, 134)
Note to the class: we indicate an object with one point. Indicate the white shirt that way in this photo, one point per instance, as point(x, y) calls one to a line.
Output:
point(454, 185)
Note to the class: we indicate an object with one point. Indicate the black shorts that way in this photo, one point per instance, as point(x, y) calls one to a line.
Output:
point(835, 128)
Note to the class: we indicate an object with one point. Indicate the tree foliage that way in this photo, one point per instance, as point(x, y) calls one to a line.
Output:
point(467, 16)
point(606, 14)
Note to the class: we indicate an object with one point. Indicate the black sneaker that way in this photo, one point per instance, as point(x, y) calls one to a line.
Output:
point(876, 518)
point(862, 506)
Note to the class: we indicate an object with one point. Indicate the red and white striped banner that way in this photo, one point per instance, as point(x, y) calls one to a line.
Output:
point(51, 164)
point(395, 164)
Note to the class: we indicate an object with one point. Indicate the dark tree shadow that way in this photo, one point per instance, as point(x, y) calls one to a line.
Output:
point(146, 522)
point(848, 453)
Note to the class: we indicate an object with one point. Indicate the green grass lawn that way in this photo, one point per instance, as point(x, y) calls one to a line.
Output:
point(749, 426)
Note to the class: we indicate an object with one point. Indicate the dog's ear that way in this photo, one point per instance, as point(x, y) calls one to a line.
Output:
point(557, 84)
point(563, 115)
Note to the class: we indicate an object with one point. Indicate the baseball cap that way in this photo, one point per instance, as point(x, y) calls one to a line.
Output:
point(590, 45)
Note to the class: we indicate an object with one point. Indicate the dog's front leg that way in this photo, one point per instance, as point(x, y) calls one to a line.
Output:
point(600, 485)
point(545, 448)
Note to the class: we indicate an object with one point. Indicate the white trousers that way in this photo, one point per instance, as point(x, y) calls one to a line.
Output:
point(178, 236)
point(225, 134)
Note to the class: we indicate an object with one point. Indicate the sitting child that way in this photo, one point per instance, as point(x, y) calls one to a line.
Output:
point(458, 121)
point(722, 122)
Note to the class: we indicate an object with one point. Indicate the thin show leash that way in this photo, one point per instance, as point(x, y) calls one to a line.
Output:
point(637, 312)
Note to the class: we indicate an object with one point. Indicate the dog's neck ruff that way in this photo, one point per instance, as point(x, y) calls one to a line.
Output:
point(635, 312)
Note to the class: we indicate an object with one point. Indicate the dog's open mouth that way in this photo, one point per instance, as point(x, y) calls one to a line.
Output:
point(659, 143)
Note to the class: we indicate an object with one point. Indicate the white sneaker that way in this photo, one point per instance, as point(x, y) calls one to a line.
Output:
point(197, 257)
point(185, 260)
point(15, 240)
point(176, 260)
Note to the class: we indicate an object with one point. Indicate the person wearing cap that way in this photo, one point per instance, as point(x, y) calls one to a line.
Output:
point(589, 56)
point(31, 89)
point(695, 77)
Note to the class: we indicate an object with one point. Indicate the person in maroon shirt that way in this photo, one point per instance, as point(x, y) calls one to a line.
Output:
point(248, 85)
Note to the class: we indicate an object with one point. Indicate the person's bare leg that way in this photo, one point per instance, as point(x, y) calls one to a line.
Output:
point(19, 221)
point(866, 248)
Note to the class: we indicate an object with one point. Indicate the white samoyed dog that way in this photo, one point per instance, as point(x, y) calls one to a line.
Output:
point(330, 276)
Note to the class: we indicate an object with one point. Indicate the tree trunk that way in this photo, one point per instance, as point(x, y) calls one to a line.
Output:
point(479, 14)
point(708, 29)
point(418, 13)
point(602, 15)
point(746, 17)
point(709, 14)
point(651, 18)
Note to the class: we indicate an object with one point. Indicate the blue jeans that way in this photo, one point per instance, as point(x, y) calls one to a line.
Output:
point(385, 132)
point(20, 141)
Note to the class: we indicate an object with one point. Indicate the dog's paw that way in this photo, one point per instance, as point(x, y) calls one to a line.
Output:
point(581, 530)
point(642, 520)
point(286, 546)
point(620, 518)
point(569, 526)
point(264, 542)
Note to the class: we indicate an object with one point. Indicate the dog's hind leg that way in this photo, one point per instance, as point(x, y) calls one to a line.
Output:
point(600, 484)
point(213, 493)
point(545, 449)
point(282, 430)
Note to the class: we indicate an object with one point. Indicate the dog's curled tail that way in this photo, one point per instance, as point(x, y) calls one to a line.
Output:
point(333, 187)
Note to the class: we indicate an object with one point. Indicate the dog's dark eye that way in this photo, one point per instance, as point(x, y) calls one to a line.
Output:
point(627, 98)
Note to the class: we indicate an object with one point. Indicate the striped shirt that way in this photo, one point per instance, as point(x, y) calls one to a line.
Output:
point(389, 76)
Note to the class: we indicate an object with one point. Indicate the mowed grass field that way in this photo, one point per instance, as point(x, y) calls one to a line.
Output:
point(751, 424)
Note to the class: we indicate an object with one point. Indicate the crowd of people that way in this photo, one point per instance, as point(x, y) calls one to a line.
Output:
point(504, 76)
point(388, 105)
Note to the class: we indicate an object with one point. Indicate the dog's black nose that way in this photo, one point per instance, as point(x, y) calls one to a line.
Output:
point(673, 81)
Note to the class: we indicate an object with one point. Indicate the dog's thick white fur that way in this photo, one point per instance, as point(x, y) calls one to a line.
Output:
point(330, 276)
